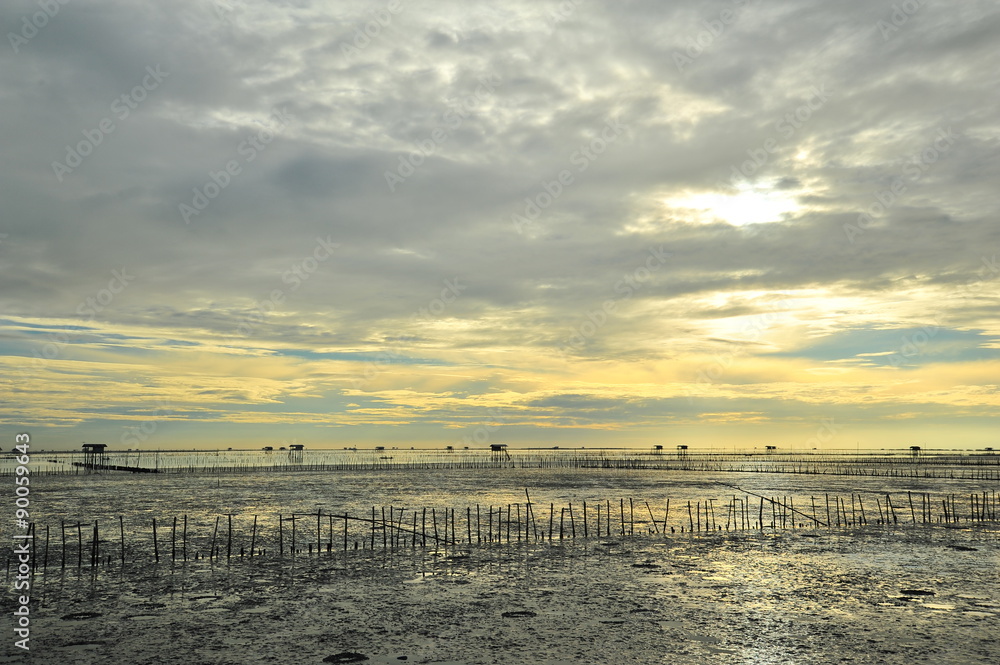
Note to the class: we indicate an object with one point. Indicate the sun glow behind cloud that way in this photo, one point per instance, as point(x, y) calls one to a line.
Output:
point(747, 205)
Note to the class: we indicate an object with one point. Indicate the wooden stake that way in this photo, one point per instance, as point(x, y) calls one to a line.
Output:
point(211, 552)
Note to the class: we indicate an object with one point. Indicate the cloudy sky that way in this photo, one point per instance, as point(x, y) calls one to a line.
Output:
point(717, 223)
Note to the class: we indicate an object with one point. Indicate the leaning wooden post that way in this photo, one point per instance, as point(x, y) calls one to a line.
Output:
point(517, 522)
point(173, 540)
point(530, 517)
point(156, 547)
point(385, 535)
point(345, 529)
point(229, 539)
point(253, 536)
point(215, 532)
point(95, 552)
point(121, 527)
point(656, 528)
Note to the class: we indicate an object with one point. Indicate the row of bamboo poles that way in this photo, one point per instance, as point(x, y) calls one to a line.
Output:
point(964, 467)
point(396, 528)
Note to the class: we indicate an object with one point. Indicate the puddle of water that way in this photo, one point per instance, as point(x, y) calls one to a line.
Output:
point(703, 638)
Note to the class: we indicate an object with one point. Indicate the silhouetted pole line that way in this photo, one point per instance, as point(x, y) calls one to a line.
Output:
point(395, 528)
point(927, 465)
point(810, 517)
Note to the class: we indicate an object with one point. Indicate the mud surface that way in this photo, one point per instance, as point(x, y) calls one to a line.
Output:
point(915, 595)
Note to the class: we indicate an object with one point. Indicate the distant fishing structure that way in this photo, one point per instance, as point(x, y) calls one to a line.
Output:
point(94, 460)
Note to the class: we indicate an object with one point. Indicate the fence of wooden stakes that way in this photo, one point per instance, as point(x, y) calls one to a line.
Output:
point(79, 545)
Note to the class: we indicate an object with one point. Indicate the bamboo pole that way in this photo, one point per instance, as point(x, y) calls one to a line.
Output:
point(652, 519)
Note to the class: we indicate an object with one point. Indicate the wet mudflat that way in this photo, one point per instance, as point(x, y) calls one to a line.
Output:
point(921, 594)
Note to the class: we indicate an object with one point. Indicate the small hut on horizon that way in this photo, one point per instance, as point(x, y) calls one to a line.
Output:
point(93, 454)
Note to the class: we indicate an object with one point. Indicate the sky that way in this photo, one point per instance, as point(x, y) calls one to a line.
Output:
point(722, 224)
